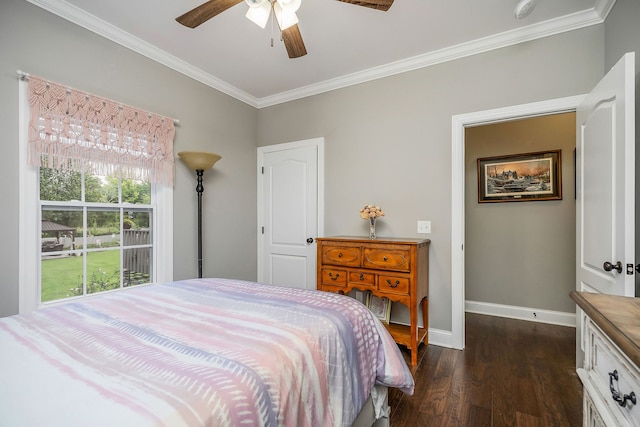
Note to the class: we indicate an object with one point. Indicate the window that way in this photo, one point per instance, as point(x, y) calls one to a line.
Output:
point(96, 233)
point(87, 229)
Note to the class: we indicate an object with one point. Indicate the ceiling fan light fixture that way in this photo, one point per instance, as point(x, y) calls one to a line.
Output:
point(285, 17)
point(258, 12)
point(258, 3)
point(290, 5)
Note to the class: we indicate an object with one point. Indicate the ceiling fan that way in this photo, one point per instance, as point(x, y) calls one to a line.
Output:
point(259, 12)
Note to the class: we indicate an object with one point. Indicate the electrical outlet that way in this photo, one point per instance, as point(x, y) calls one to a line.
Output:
point(424, 227)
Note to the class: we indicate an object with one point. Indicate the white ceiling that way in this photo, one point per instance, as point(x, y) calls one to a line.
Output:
point(346, 44)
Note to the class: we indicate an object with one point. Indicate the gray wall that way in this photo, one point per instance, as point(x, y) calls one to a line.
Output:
point(622, 34)
point(522, 253)
point(389, 141)
point(57, 50)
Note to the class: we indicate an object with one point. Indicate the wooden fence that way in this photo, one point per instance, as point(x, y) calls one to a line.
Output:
point(137, 261)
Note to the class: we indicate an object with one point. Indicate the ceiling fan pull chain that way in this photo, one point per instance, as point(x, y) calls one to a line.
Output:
point(271, 18)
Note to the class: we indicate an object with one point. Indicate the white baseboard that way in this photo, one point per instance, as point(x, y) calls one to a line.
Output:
point(521, 313)
point(440, 338)
point(444, 338)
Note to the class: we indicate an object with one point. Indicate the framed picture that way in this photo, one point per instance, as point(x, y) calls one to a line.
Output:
point(360, 296)
point(520, 177)
point(380, 307)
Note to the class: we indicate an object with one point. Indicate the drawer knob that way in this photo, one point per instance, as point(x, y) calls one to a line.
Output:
point(334, 277)
point(361, 276)
point(616, 395)
point(384, 258)
point(339, 254)
point(393, 285)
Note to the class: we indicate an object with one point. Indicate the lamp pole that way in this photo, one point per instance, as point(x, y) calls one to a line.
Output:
point(199, 162)
point(199, 190)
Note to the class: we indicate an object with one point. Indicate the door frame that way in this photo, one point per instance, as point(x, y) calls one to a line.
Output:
point(319, 144)
point(458, 125)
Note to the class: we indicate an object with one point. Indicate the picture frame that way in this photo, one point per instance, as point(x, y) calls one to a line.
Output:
point(360, 296)
point(520, 177)
point(380, 307)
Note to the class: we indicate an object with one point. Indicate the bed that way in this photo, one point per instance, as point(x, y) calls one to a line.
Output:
point(198, 352)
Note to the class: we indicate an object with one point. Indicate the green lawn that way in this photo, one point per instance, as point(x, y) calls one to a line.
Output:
point(60, 275)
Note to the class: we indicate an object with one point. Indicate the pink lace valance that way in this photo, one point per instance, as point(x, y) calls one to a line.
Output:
point(71, 129)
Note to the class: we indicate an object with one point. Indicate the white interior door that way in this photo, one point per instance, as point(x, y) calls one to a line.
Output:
point(605, 182)
point(288, 213)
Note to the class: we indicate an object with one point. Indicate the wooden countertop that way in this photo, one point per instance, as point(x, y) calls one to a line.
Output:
point(618, 317)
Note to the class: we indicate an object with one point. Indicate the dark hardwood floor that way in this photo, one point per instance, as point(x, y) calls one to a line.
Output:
point(511, 373)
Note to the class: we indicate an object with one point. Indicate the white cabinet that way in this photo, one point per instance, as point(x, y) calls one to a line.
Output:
point(611, 381)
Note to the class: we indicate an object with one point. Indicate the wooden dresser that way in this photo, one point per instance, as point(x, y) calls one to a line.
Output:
point(397, 269)
point(610, 374)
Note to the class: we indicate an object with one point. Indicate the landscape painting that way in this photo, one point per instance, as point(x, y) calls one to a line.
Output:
point(520, 177)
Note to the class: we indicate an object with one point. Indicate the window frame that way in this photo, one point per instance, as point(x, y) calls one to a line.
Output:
point(29, 249)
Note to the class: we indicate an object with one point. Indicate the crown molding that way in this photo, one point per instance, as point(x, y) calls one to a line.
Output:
point(505, 39)
point(92, 23)
point(116, 35)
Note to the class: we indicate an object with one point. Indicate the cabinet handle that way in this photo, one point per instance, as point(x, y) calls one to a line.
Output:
point(616, 395)
point(361, 276)
point(334, 277)
point(395, 285)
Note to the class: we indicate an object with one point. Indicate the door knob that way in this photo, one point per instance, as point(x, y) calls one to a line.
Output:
point(309, 240)
point(608, 266)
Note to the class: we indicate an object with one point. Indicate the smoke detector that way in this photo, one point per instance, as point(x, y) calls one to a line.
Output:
point(524, 8)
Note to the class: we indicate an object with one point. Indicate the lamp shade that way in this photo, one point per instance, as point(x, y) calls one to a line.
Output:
point(259, 11)
point(199, 160)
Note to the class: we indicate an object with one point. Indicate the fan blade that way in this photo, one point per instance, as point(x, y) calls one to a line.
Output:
point(293, 42)
point(205, 11)
point(373, 4)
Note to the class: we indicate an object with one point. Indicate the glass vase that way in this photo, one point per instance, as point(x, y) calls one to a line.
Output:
point(372, 228)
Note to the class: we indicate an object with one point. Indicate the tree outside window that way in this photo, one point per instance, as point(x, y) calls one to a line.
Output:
point(96, 233)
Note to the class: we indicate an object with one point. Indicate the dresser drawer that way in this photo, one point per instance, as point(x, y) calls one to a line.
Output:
point(385, 259)
point(362, 278)
point(348, 256)
point(393, 284)
point(607, 360)
point(334, 277)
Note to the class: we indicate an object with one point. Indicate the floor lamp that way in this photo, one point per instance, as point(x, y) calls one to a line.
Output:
point(199, 162)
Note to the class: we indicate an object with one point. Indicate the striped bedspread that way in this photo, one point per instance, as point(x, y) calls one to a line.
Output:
point(200, 352)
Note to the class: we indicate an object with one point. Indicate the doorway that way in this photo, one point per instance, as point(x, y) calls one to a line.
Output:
point(459, 125)
point(520, 240)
